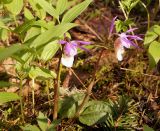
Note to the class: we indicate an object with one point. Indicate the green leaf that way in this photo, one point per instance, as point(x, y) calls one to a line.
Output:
point(53, 125)
point(24, 27)
point(151, 35)
point(128, 5)
point(156, 29)
point(147, 128)
point(4, 84)
point(75, 11)
point(154, 53)
point(42, 121)
point(38, 9)
point(47, 7)
point(3, 34)
point(29, 127)
point(15, 6)
point(9, 51)
point(41, 73)
point(123, 25)
point(49, 50)
point(2, 25)
point(95, 112)
point(69, 105)
point(57, 31)
point(32, 32)
point(28, 14)
point(61, 6)
point(6, 1)
point(7, 97)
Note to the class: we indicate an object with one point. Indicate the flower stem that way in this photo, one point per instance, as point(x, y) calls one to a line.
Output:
point(148, 15)
point(21, 99)
point(56, 89)
point(126, 15)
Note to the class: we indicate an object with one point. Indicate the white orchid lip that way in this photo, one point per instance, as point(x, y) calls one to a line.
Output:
point(119, 53)
point(67, 60)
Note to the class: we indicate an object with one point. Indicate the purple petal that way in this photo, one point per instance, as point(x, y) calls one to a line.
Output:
point(83, 42)
point(130, 30)
point(62, 42)
point(70, 50)
point(133, 44)
point(74, 43)
point(134, 37)
point(125, 42)
point(83, 48)
point(112, 26)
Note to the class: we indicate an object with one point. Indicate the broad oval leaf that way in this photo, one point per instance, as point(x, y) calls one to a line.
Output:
point(15, 6)
point(7, 97)
point(29, 127)
point(41, 13)
point(61, 6)
point(42, 121)
point(156, 29)
point(47, 7)
point(69, 105)
point(154, 53)
point(95, 112)
point(28, 14)
point(151, 35)
point(43, 73)
point(49, 50)
point(6, 1)
point(32, 32)
point(147, 128)
point(54, 32)
point(9, 51)
point(2, 25)
point(4, 84)
point(75, 11)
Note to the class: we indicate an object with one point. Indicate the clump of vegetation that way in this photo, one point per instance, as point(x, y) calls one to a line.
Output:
point(79, 65)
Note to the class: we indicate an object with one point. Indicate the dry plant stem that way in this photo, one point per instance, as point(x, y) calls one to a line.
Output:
point(21, 99)
point(92, 30)
point(33, 99)
point(89, 89)
point(67, 79)
point(77, 77)
point(56, 89)
point(47, 88)
point(86, 98)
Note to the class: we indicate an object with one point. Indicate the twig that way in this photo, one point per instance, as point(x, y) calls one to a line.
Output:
point(77, 78)
point(92, 30)
point(89, 89)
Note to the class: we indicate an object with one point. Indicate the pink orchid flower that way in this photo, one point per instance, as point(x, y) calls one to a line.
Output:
point(70, 50)
point(124, 40)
